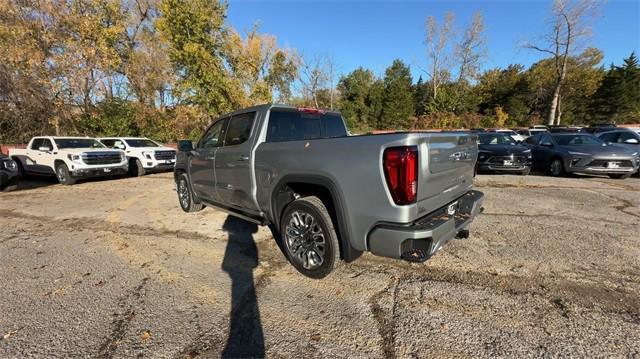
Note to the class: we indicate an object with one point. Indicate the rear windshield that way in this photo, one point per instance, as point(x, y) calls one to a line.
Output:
point(141, 143)
point(77, 143)
point(294, 125)
point(577, 140)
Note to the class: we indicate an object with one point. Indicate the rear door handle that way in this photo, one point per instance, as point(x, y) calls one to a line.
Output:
point(243, 158)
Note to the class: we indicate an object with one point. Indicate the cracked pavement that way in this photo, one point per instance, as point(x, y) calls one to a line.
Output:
point(116, 269)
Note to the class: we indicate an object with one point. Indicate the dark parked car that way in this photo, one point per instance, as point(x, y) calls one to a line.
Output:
point(560, 153)
point(499, 152)
point(600, 127)
point(9, 173)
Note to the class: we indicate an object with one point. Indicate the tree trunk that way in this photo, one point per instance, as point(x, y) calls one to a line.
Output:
point(559, 111)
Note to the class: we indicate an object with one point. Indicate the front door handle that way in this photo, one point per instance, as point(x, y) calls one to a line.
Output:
point(243, 158)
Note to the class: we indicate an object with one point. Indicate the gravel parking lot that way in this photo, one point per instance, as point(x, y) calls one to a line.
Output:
point(116, 269)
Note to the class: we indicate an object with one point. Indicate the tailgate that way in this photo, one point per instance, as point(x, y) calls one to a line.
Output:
point(447, 169)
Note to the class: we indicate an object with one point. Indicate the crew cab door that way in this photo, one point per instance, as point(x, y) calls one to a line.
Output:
point(234, 178)
point(201, 162)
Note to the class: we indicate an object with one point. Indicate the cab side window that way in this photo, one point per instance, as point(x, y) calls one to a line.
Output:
point(546, 140)
point(239, 129)
point(624, 136)
point(108, 143)
point(533, 140)
point(47, 143)
point(214, 135)
point(610, 137)
point(36, 144)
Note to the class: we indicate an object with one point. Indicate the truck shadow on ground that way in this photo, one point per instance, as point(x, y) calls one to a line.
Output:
point(246, 338)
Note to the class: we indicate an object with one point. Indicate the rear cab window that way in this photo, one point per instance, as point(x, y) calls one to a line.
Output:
point(303, 124)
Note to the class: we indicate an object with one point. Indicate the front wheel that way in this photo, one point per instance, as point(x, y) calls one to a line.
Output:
point(135, 168)
point(309, 238)
point(556, 168)
point(185, 196)
point(63, 175)
point(619, 175)
point(526, 172)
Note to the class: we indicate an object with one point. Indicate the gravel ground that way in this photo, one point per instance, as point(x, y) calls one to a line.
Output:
point(116, 269)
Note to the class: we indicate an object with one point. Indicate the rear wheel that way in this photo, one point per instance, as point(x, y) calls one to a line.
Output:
point(556, 168)
point(185, 196)
point(619, 175)
point(63, 175)
point(135, 168)
point(309, 238)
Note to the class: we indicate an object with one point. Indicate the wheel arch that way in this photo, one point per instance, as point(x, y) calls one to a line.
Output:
point(291, 187)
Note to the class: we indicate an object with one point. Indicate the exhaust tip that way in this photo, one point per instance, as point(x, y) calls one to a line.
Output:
point(462, 234)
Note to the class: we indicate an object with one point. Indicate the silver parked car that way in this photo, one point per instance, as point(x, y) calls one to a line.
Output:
point(559, 153)
point(623, 137)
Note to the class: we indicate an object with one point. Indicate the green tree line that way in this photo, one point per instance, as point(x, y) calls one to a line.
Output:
point(165, 68)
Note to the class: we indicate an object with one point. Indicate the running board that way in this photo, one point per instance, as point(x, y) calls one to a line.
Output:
point(236, 213)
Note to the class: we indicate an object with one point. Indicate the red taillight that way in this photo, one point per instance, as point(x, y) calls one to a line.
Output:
point(310, 110)
point(401, 172)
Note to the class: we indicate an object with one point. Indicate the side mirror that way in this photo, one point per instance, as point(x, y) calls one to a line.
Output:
point(631, 141)
point(120, 146)
point(185, 146)
point(44, 149)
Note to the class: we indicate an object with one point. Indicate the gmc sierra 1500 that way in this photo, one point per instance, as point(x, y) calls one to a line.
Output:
point(331, 196)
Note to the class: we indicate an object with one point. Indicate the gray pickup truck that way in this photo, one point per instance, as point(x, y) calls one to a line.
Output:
point(330, 196)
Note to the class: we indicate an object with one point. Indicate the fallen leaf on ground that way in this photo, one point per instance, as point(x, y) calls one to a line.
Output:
point(146, 335)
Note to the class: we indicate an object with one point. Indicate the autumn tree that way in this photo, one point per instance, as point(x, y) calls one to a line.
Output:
point(196, 34)
point(569, 26)
point(258, 68)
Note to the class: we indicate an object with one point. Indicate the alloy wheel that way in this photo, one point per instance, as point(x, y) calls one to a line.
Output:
point(183, 193)
point(305, 240)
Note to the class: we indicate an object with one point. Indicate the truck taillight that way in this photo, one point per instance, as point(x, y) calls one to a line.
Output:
point(401, 173)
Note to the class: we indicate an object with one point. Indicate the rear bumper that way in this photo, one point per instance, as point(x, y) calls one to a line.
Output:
point(427, 234)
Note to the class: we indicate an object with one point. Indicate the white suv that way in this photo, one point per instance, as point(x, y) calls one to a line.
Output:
point(144, 155)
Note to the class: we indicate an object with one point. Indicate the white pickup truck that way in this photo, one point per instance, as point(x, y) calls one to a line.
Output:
point(69, 158)
point(144, 155)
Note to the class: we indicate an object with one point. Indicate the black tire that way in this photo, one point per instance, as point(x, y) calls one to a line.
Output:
point(185, 195)
point(556, 167)
point(316, 221)
point(21, 172)
point(619, 175)
point(526, 172)
point(11, 187)
point(135, 168)
point(63, 175)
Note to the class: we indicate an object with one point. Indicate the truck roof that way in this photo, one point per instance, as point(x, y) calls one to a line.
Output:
point(268, 106)
point(62, 137)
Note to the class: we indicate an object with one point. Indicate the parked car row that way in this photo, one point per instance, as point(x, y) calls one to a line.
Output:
point(73, 158)
point(614, 153)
